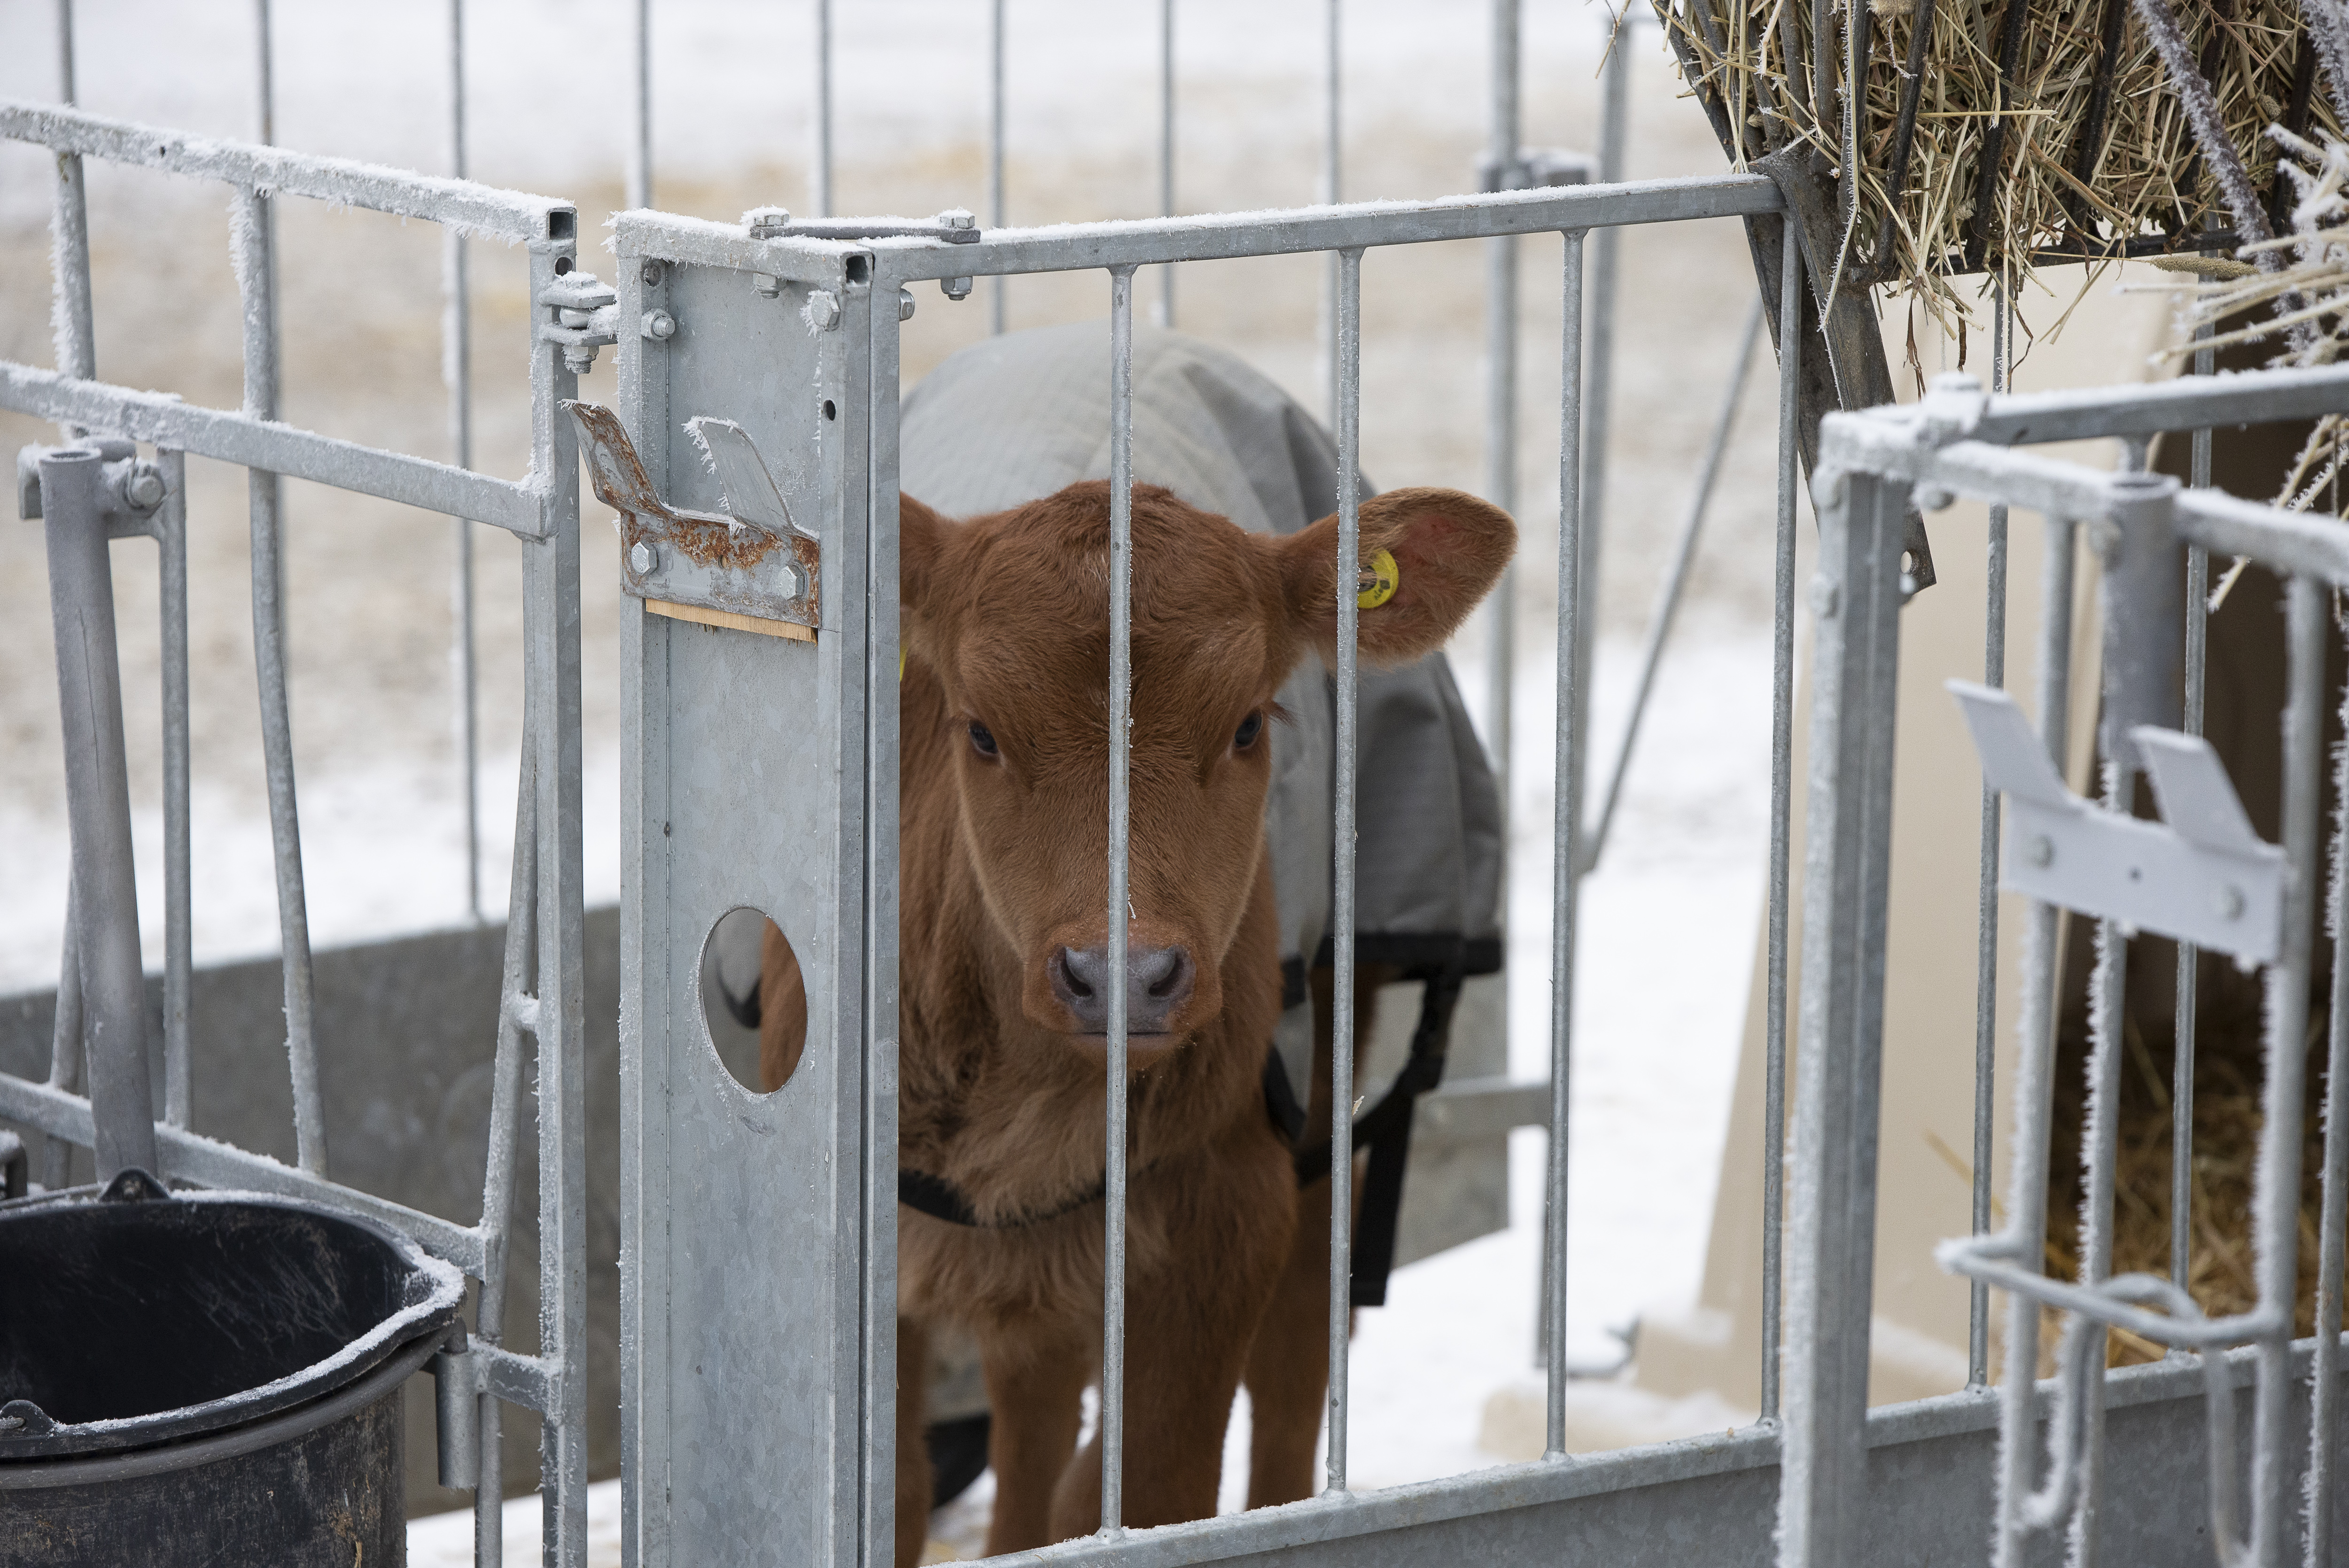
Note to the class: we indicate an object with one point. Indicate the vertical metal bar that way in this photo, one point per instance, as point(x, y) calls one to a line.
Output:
point(1341, 904)
point(1668, 602)
point(72, 323)
point(1565, 824)
point(2026, 1206)
point(97, 801)
point(1782, 811)
point(179, 958)
point(1615, 91)
point(2181, 1072)
point(550, 668)
point(249, 229)
point(640, 106)
point(457, 373)
point(1121, 731)
point(265, 77)
point(820, 177)
point(2324, 1410)
point(1501, 406)
point(1986, 892)
point(505, 1136)
point(1165, 311)
point(997, 304)
point(1332, 185)
point(1831, 1238)
point(65, 1040)
point(2275, 1202)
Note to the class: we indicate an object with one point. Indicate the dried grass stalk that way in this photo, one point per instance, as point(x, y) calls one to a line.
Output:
point(2065, 102)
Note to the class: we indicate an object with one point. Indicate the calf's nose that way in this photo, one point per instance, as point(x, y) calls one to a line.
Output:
point(1157, 982)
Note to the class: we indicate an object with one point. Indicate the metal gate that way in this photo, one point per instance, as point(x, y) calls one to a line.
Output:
point(101, 988)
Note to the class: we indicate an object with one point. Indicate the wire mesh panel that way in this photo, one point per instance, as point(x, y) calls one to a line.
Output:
point(87, 1100)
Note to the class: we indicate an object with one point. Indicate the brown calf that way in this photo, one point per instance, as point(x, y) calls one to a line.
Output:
point(1003, 725)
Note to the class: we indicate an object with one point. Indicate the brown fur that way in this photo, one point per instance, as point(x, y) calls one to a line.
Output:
point(1002, 862)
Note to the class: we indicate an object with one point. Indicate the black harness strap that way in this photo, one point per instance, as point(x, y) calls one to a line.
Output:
point(942, 1199)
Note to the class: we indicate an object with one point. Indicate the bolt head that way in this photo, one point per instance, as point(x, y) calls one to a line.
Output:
point(642, 557)
point(955, 288)
point(659, 326)
point(766, 222)
point(904, 303)
point(2040, 851)
point(144, 488)
point(822, 311)
point(956, 218)
point(579, 359)
point(767, 287)
point(650, 274)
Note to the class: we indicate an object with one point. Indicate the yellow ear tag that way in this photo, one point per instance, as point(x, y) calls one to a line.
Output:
point(1380, 579)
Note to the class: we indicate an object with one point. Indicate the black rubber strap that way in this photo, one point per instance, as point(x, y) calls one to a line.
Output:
point(942, 1199)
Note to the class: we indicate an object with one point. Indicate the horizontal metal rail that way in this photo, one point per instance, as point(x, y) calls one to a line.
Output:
point(460, 204)
point(162, 419)
point(1145, 241)
point(2185, 403)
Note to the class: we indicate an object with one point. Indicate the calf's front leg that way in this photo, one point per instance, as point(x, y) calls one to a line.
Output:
point(1035, 1388)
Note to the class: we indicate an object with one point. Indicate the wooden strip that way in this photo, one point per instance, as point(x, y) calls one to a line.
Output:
point(730, 620)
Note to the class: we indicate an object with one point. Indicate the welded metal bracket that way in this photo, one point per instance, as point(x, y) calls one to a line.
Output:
point(2200, 875)
point(752, 559)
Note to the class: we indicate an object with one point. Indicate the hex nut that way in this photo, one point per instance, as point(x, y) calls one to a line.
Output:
point(2040, 851)
point(822, 311)
point(956, 218)
point(904, 303)
point(143, 487)
point(659, 326)
point(643, 558)
point(955, 288)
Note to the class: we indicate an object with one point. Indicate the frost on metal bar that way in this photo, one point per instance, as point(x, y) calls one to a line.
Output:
point(1121, 735)
point(1342, 837)
point(482, 210)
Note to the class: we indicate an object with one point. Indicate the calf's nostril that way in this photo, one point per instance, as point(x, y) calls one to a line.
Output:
point(1163, 972)
point(1071, 973)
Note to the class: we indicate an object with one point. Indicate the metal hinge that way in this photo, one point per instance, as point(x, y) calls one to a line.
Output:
point(586, 316)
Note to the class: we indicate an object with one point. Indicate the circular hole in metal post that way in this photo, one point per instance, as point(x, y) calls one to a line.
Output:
point(753, 1000)
point(563, 265)
point(829, 411)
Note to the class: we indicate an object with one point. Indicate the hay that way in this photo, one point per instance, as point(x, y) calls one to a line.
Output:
point(2067, 102)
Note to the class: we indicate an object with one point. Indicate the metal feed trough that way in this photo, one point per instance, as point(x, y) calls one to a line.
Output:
point(789, 341)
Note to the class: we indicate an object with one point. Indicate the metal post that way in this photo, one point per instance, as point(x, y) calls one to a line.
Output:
point(1782, 813)
point(1847, 859)
point(2182, 1074)
point(1341, 904)
point(1615, 89)
point(72, 321)
point(2324, 1410)
point(1501, 406)
point(249, 231)
point(640, 107)
point(551, 671)
point(1121, 735)
point(178, 957)
point(1564, 826)
point(457, 371)
point(819, 174)
point(1165, 311)
point(1986, 890)
point(98, 804)
point(997, 304)
point(1333, 183)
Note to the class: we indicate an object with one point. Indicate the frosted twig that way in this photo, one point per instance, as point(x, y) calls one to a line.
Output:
point(2328, 28)
point(2201, 107)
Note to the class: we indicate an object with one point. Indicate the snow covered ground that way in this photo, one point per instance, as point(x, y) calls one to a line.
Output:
point(1671, 915)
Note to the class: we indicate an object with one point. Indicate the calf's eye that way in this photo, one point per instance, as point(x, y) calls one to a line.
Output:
point(1250, 727)
point(982, 739)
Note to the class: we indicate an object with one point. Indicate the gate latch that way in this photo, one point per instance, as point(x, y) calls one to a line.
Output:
point(2200, 875)
point(752, 559)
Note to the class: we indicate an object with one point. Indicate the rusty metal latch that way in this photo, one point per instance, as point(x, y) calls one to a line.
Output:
point(752, 559)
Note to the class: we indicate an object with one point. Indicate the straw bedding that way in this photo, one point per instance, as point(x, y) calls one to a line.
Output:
point(2066, 105)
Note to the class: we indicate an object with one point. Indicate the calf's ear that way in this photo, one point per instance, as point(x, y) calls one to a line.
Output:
point(1448, 550)
point(921, 540)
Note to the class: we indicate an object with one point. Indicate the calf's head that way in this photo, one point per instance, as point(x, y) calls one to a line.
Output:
point(1011, 614)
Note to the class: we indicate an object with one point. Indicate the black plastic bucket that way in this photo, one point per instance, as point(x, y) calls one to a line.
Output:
point(207, 1377)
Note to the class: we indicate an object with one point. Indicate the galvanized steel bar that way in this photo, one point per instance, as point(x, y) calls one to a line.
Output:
point(1121, 735)
point(550, 671)
point(1598, 376)
point(256, 442)
point(1668, 602)
point(265, 75)
point(197, 1160)
point(820, 168)
point(996, 305)
point(478, 208)
point(72, 321)
point(179, 955)
point(1341, 904)
point(1500, 411)
point(2325, 1409)
point(1986, 891)
point(105, 899)
point(1845, 877)
point(456, 372)
point(1334, 184)
point(250, 236)
point(1782, 816)
point(2183, 403)
point(1166, 150)
point(1565, 827)
point(640, 105)
point(2181, 1072)
point(2275, 1202)
point(66, 1057)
